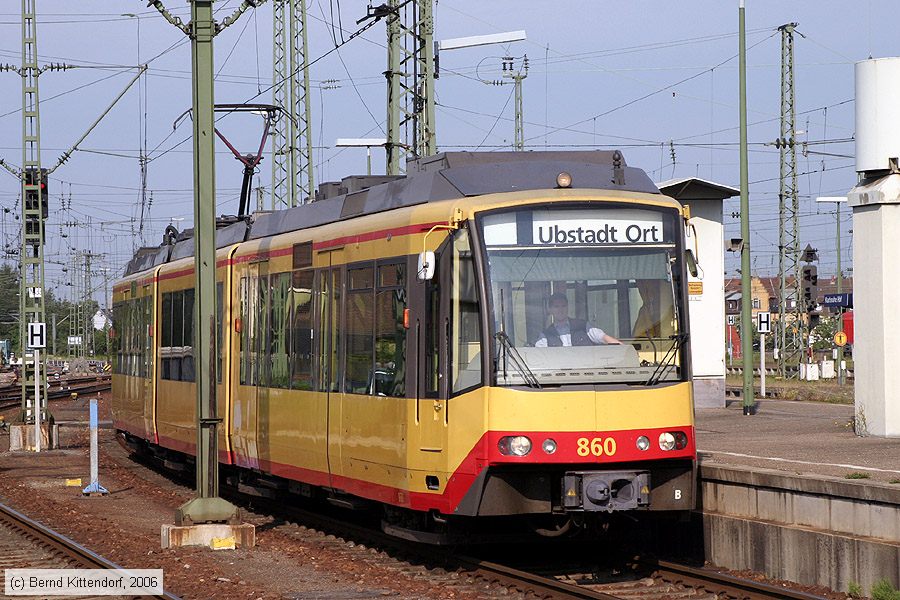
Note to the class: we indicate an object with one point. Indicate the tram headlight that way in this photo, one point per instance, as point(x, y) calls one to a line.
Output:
point(643, 443)
point(549, 446)
point(666, 441)
point(514, 445)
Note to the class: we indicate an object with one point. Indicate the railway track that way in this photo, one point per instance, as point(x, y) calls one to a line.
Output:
point(552, 578)
point(13, 398)
point(25, 543)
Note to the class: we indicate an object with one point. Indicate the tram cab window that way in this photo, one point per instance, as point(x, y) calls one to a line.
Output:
point(567, 310)
point(465, 359)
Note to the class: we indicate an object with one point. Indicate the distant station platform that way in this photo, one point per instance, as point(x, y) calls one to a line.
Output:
point(799, 438)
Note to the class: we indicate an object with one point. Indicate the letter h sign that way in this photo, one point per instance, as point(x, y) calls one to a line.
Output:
point(763, 322)
point(37, 335)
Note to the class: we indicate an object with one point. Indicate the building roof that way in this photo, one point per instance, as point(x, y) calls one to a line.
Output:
point(695, 188)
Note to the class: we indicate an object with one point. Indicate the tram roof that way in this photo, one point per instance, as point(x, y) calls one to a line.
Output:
point(444, 176)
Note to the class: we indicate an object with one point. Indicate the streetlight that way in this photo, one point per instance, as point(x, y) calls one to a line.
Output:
point(840, 349)
point(366, 143)
point(508, 71)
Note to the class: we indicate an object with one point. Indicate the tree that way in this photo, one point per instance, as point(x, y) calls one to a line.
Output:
point(823, 333)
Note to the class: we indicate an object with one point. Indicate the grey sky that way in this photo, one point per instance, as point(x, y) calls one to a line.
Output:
point(602, 75)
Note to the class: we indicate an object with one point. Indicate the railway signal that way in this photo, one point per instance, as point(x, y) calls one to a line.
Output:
point(810, 282)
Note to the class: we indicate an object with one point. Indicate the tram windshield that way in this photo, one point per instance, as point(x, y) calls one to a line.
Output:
point(571, 311)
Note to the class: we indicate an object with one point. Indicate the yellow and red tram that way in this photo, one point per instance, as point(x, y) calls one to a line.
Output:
point(388, 345)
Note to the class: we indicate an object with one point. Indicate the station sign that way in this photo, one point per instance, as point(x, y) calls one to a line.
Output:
point(844, 300)
point(37, 335)
point(763, 322)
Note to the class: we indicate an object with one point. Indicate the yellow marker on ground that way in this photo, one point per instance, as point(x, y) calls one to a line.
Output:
point(226, 543)
point(73, 482)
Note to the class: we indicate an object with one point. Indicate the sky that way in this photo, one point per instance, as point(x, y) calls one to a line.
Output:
point(658, 80)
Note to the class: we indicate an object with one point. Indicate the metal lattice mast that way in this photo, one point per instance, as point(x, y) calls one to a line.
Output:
point(31, 281)
point(74, 309)
point(73, 305)
point(790, 310)
point(292, 166)
point(88, 321)
point(410, 75)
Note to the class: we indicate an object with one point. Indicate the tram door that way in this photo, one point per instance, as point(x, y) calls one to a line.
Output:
point(431, 403)
point(147, 321)
point(329, 372)
point(245, 402)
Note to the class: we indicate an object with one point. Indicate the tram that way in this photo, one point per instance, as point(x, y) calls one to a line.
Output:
point(493, 337)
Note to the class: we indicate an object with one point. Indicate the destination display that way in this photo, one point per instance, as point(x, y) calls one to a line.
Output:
point(593, 227)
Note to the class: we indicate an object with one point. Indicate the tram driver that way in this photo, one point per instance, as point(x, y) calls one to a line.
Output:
point(565, 331)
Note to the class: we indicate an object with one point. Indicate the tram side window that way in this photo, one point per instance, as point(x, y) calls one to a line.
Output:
point(329, 343)
point(466, 323)
point(145, 348)
point(187, 355)
point(176, 349)
point(279, 330)
point(301, 330)
point(359, 331)
point(219, 341)
point(115, 338)
point(165, 319)
point(245, 331)
point(388, 378)
point(127, 340)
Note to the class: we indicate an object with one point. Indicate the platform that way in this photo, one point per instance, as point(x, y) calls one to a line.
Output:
point(794, 493)
point(802, 438)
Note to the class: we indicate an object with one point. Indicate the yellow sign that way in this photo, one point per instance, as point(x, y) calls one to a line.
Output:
point(840, 338)
point(695, 288)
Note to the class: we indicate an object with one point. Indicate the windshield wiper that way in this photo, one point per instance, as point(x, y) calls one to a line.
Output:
point(519, 363)
point(678, 341)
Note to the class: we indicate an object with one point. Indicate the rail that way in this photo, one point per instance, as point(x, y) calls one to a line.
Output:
point(44, 536)
point(13, 397)
point(669, 579)
point(724, 585)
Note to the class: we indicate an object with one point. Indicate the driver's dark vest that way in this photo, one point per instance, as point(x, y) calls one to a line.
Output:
point(577, 329)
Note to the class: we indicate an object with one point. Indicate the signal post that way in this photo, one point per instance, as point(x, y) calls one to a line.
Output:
point(207, 519)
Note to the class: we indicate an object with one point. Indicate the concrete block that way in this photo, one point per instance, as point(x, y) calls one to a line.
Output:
point(740, 500)
point(709, 393)
point(773, 505)
point(21, 437)
point(848, 516)
point(811, 511)
point(209, 535)
point(885, 521)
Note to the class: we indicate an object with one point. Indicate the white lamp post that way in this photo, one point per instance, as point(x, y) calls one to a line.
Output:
point(366, 143)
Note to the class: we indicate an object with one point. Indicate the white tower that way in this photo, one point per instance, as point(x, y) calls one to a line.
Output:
point(876, 248)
